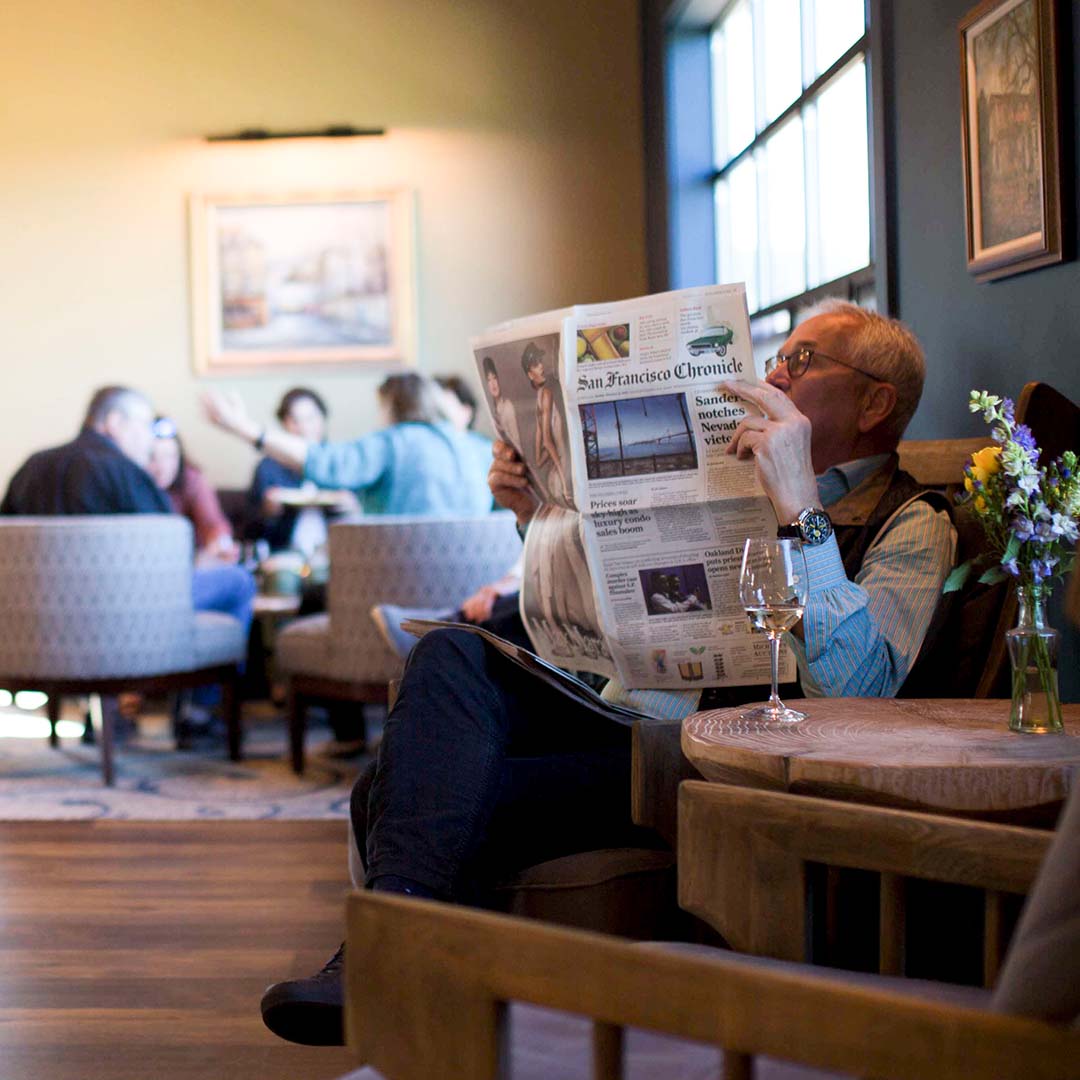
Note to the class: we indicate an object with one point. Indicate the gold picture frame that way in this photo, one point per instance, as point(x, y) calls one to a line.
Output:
point(307, 277)
point(1011, 129)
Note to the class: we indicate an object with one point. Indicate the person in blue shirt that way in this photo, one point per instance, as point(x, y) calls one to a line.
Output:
point(417, 463)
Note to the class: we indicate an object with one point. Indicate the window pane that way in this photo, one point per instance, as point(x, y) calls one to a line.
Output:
point(733, 82)
point(838, 24)
point(843, 182)
point(736, 229)
point(782, 55)
point(784, 214)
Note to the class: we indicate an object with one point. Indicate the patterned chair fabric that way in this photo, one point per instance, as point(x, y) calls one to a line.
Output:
point(411, 562)
point(102, 598)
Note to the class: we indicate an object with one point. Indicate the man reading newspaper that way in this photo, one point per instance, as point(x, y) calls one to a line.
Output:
point(484, 768)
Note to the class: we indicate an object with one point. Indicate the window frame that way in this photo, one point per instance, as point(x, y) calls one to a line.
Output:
point(688, 184)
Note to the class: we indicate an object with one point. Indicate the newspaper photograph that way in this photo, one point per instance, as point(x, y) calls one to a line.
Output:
point(632, 559)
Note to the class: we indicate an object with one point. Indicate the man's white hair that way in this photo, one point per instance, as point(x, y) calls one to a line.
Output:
point(884, 348)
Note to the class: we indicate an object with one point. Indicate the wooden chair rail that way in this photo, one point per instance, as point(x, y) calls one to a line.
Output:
point(938, 462)
point(428, 983)
point(744, 855)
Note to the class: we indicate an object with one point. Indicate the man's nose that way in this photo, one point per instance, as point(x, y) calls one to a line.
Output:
point(779, 377)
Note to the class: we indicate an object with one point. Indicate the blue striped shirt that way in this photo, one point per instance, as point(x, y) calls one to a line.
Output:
point(860, 637)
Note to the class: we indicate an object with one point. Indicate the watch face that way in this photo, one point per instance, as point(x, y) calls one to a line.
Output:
point(815, 525)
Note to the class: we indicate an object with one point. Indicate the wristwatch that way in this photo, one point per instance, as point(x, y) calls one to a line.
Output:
point(813, 526)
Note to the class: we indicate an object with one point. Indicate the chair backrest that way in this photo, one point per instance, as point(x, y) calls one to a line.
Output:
point(95, 597)
point(938, 463)
point(428, 987)
point(409, 562)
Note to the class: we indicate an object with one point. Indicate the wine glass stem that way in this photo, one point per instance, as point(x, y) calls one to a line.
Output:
point(774, 663)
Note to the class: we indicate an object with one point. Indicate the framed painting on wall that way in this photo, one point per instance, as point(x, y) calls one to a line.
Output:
point(1012, 159)
point(324, 278)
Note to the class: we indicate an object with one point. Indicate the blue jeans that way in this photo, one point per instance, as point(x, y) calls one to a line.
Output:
point(484, 770)
point(230, 590)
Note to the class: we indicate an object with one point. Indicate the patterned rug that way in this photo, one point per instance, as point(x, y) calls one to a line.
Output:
point(155, 782)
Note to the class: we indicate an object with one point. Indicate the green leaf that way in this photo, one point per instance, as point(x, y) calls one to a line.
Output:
point(1012, 549)
point(993, 576)
point(956, 580)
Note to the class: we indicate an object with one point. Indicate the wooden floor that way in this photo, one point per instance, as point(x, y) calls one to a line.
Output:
point(139, 950)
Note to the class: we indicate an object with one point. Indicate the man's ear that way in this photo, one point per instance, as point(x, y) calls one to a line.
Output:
point(108, 424)
point(877, 405)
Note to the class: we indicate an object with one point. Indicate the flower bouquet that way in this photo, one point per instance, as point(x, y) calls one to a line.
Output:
point(1029, 514)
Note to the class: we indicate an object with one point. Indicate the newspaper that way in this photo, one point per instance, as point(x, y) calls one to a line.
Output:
point(632, 559)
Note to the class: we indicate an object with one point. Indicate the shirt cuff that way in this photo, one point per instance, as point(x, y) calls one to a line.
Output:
point(824, 566)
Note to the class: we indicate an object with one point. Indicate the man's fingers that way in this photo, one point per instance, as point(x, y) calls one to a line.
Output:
point(744, 445)
point(746, 425)
point(502, 451)
point(774, 403)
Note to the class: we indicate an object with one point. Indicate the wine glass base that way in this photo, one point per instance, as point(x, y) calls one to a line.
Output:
point(773, 715)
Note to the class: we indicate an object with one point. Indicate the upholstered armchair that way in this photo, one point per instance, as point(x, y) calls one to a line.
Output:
point(410, 562)
point(103, 605)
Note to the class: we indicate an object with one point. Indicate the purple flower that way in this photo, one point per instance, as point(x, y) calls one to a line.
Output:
point(1022, 437)
point(1011, 566)
point(1008, 410)
point(1022, 528)
point(1029, 482)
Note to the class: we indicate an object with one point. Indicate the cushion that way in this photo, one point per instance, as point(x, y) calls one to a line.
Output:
point(219, 639)
point(304, 646)
point(1041, 973)
point(626, 891)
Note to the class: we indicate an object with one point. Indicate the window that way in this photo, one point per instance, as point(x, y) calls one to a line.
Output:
point(791, 186)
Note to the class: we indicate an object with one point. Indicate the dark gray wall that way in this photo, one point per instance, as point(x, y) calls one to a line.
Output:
point(997, 335)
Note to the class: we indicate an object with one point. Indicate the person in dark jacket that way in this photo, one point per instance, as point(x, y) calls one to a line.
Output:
point(101, 471)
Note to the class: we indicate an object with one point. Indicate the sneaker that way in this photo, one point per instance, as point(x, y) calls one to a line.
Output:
point(309, 1011)
point(389, 619)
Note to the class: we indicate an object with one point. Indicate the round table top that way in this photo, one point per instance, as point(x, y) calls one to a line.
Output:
point(949, 755)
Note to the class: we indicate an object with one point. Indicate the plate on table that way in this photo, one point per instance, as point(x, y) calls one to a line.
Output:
point(303, 497)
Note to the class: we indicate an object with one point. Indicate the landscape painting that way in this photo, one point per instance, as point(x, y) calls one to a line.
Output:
point(1010, 137)
point(301, 279)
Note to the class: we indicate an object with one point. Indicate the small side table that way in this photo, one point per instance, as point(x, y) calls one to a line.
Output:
point(947, 756)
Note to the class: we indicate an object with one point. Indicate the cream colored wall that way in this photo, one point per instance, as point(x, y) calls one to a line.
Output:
point(516, 123)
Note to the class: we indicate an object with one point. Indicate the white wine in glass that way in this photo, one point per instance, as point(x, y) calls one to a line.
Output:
point(772, 587)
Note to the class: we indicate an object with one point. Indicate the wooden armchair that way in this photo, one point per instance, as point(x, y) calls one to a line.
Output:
point(430, 987)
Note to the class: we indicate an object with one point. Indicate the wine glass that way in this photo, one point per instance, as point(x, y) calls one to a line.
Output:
point(772, 587)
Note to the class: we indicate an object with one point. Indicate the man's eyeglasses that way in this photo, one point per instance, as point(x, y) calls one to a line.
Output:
point(164, 428)
point(798, 361)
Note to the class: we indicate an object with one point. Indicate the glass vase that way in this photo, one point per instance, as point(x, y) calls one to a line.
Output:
point(1033, 648)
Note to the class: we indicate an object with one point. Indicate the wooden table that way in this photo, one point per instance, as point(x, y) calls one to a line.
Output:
point(953, 757)
point(947, 756)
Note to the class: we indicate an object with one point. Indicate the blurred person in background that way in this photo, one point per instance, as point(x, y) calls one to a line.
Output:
point(191, 494)
point(416, 463)
point(459, 401)
point(303, 413)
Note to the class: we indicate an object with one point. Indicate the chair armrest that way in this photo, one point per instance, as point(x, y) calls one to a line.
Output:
point(427, 985)
point(743, 855)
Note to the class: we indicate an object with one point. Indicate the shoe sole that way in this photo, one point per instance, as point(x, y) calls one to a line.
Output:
point(309, 1023)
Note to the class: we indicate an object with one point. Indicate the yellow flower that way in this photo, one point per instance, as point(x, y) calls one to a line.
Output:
point(984, 463)
point(980, 504)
